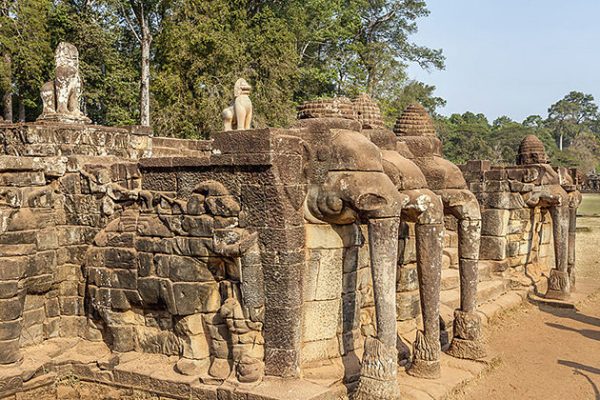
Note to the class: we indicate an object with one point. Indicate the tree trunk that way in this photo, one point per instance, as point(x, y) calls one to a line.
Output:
point(145, 75)
point(7, 101)
point(560, 142)
point(21, 110)
point(370, 81)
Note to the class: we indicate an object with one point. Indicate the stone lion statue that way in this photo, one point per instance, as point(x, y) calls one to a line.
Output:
point(61, 97)
point(238, 116)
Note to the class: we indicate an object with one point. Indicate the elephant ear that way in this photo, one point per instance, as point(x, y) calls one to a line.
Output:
point(370, 202)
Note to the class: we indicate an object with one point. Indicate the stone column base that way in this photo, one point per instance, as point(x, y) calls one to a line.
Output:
point(467, 349)
point(64, 118)
point(467, 341)
point(425, 369)
point(378, 373)
point(426, 360)
point(559, 287)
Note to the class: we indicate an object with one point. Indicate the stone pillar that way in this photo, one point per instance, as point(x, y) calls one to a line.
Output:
point(380, 361)
point(559, 284)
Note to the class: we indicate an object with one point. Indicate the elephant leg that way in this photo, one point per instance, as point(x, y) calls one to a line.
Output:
point(429, 232)
point(572, 235)
point(467, 341)
point(427, 348)
point(11, 326)
point(380, 361)
point(559, 285)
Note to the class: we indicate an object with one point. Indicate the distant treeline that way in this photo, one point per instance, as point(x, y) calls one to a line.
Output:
point(572, 124)
point(187, 54)
point(172, 64)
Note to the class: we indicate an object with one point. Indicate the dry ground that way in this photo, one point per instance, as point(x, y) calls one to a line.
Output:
point(545, 352)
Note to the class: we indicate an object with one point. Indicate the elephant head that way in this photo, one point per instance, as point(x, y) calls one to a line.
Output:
point(347, 184)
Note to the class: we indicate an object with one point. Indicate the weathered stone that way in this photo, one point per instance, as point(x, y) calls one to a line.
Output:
point(191, 298)
point(61, 97)
point(495, 222)
point(493, 247)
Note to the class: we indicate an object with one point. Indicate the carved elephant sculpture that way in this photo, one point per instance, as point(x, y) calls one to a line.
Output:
point(348, 185)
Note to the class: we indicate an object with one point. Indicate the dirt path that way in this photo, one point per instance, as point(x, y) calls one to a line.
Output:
point(545, 352)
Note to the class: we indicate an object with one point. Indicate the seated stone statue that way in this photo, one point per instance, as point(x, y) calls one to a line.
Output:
point(61, 97)
point(238, 116)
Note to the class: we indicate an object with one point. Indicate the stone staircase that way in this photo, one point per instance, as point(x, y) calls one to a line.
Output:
point(491, 287)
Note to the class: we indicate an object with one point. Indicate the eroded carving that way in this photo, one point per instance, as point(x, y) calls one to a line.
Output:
point(190, 284)
point(347, 185)
point(549, 193)
point(62, 96)
point(415, 128)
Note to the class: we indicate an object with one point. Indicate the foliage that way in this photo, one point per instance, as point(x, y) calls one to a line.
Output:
point(572, 115)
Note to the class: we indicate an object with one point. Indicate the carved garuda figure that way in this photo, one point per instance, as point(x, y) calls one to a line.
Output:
point(238, 116)
point(61, 97)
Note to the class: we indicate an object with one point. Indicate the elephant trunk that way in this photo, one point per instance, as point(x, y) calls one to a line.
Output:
point(559, 284)
point(379, 366)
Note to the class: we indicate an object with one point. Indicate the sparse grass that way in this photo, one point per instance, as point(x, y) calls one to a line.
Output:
point(68, 379)
point(590, 206)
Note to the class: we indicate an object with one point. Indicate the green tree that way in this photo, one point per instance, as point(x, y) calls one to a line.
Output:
point(571, 115)
point(399, 96)
point(143, 18)
point(205, 46)
point(107, 62)
point(27, 54)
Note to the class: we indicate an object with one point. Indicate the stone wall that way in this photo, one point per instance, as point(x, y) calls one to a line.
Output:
point(172, 147)
point(516, 239)
point(55, 139)
point(206, 250)
point(50, 210)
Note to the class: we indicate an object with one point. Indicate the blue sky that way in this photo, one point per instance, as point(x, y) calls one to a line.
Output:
point(511, 57)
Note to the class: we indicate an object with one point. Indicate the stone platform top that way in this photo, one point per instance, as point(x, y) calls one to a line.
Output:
point(44, 139)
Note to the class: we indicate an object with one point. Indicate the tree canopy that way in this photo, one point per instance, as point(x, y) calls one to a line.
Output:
point(173, 63)
point(194, 51)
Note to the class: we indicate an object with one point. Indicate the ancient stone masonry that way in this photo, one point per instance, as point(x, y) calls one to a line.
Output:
point(529, 211)
point(49, 213)
point(180, 277)
point(445, 179)
point(591, 183)
point(319, 260)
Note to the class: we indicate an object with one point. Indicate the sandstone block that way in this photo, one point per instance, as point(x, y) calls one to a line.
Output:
point(11, 309)
point(408, 305)
point(192, 298)
point(120, 258)
point(492, 248)
point(13, 267)
point(322, 237)
point(320, 350)
point(9, 351)
point(190, 325)
point(328, 279)
point(10, 330)
point(407, 278)
point(321, 319)
point(494, 222)
point(9, 289)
